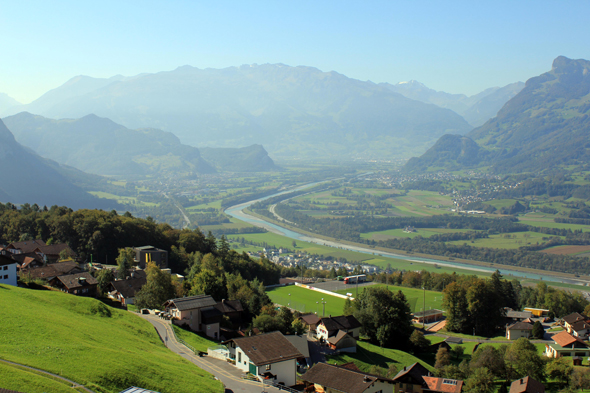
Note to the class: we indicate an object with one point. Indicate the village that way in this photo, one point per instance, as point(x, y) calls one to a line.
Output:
point(291, 362)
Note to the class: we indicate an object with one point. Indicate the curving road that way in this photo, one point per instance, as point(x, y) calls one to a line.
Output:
point(230, 376)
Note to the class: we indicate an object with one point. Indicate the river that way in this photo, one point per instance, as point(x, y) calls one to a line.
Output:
point(237, 212)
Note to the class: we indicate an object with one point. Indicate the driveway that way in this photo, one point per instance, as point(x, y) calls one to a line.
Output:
point(230, 376)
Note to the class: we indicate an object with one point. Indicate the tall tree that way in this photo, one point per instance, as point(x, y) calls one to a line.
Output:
point(157, 289)
point(124, 261)
point(455, 302)
point(522, 359)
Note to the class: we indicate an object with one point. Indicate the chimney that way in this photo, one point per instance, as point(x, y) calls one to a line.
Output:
point(366, 379)
point(521, 381)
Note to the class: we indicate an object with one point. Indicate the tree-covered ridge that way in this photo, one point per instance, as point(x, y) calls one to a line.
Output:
point(543, 126)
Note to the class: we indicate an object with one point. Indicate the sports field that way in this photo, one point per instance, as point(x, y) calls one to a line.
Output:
point(415, 297)
point(306, 300)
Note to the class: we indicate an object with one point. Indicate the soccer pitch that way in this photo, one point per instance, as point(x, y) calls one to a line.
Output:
point(306, 300)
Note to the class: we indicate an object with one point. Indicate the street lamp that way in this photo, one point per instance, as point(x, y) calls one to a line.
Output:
point(317, 307)
point(289, 304)
point(323, 307)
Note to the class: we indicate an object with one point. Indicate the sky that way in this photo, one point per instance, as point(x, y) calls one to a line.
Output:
point(453, 46)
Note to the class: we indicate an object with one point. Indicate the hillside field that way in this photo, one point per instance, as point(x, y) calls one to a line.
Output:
point(415, 296)
point(304, 300)
point(82, 339)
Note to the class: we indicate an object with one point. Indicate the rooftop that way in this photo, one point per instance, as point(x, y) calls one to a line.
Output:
point(343, 379)
point(267, 348)
point(192, 302)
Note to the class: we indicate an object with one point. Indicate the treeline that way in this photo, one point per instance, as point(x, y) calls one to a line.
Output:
point(246, 196)
point(474, 303)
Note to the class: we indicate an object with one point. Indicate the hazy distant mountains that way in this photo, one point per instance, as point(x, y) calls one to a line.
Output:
point(476, 109)
point(546, 124)
point(246, 159)
point(27, 178)
point(7, 102)
point(101, 146)
point(292, 111)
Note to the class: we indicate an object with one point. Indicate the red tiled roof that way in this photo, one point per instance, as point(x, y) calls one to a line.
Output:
point(564, 339)
point(527, 384)
point(443, 384)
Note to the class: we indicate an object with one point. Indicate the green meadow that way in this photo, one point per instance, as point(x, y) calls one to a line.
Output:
point(84, 340)
point(23, 380)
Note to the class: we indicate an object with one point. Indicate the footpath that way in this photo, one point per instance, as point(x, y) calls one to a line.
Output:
point(74, 385)
point(230, 376)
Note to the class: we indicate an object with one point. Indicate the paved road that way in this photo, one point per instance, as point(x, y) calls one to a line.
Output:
point(74, 384)
point(229, 375)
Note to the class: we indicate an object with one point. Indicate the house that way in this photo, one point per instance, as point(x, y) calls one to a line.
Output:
point(527, 385)
point(410, 379)
point(24, 246)
point(197, 312)
point(267, 356)
point(566, 345)
point(342, 342)
point(328, 327)
point(49, 272)
point(517, 316)
point(518, 330)
point(302, 345)
point(146, 254)
point(82, 284)
point(232, 309)
point(310, 321)
point(436, 346)
point(569, 320)
point(579, 329)
point(427, 316)
point(53, 252)
point(8, 269)
point(28, 260)
point(330, 378)
point(442, 385)
point(124, 290)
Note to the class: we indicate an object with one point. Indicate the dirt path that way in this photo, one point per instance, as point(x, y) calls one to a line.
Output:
point(75, 385)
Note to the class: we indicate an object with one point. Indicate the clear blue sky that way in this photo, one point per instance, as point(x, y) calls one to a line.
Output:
point(458, 47)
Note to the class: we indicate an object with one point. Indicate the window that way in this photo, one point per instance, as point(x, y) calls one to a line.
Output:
point(5, 268)
point(268, 367)
point(6, 276)
point(449, 381)
point(239, 357)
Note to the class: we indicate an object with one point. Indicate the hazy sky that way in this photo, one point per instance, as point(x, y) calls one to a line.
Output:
point(458, 47)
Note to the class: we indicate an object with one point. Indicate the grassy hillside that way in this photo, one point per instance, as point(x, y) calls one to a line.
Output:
point(22, 380)
point(84, 340)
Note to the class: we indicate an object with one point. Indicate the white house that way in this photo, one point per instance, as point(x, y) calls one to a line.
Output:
point(198, 312)
point(328, 327)
point(267, 356)
point(7, 269)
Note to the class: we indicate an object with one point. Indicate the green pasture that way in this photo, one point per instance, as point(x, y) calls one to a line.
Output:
point(415, 296)
point(215, 204)
point(400, 233)
point(121, 199)
point(82, 339)
point(516, 240)
point(304, 300)
point(368, 355)
point(21, 379)
point(538, 221)
point(195, 340)
point(233, 224)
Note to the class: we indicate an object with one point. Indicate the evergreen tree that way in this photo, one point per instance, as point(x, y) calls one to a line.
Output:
point(538, 331)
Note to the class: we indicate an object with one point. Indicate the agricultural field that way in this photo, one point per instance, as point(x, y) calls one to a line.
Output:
point(400, 233)
point(415, 296)
point(67, 335)
point(306, 300)
point(506, 240)
point(234, 224)
point(125, 200)
point(567, 250)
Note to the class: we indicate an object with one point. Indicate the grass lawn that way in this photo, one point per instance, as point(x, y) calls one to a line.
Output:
point(399, 233)
point(195, 340)
point(516, 240)
point(106, 349)
point(121, 199)
point(368, 355)
point(304, 300)
point(22, 380)
point(415, 296)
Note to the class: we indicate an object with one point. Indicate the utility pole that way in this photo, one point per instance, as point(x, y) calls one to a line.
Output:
point(323, 308)
point(424, 307)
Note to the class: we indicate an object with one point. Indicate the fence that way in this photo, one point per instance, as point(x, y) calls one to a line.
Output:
point(323, 291)
point(180, 340)
point(218, 352)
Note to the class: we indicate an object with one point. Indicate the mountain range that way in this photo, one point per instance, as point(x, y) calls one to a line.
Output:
point(476, 109)
point(546, 124)
point(28, 178)
point(7, 102)
point(292, 111)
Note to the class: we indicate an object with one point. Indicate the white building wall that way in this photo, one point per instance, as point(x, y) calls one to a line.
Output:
point(244, 363)
point(8, 274)
point(286, 371)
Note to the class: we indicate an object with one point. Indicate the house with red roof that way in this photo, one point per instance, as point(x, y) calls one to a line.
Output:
point(566, 345)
